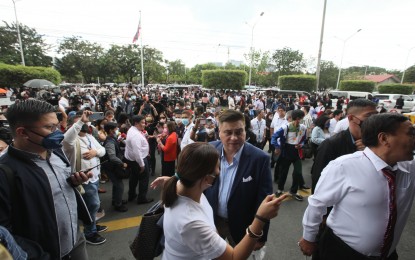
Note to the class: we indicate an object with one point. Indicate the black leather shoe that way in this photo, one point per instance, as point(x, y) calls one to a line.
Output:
point(131, 198)
point(145, 201)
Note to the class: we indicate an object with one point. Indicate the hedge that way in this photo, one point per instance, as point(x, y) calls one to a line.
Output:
point(223, 79)
point(404, 89)
point(357, 85)
point(16, 76)
point(297, 82)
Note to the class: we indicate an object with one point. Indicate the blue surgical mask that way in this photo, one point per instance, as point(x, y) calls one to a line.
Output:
point(51, 141)
point(327, 125)
point(185, 121)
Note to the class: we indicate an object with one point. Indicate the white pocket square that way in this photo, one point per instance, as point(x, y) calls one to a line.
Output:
point(247, 179)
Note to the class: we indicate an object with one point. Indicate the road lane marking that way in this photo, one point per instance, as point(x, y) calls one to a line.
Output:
point(123, 223)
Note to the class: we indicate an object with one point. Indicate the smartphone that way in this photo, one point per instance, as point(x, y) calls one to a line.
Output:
point(59, 116)
point(202, 121)
point(96, 116)
point(86, 170)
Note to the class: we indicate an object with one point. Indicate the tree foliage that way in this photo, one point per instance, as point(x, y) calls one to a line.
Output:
point(297, 82)
point(288, 61)
point(34, 47)
point(405, 89)
point(223, 79)
point(410, 75)
point(357, 85)
point(328, 75)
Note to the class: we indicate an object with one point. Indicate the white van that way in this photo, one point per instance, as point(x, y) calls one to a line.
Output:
point(334, 95)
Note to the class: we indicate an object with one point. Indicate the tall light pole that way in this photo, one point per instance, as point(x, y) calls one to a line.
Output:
point(406, 63)
point(320, 47)
point(252, 48)
point(18, 33)
point(341, 61)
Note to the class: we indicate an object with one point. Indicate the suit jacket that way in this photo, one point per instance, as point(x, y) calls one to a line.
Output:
point(253, 182)
point(330, 149)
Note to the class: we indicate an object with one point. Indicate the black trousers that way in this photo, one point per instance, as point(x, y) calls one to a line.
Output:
point(141, 179)
point(168, 168)
point(332, 247)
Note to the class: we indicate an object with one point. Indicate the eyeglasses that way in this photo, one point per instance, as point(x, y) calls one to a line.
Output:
point(51, 128)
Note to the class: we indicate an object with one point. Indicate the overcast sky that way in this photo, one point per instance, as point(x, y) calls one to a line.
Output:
point(191, 30)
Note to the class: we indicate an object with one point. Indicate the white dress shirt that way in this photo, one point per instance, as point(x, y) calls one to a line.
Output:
point(278, 122)
point(258, 127)
point(341, 125)
point(186, 136)
point(136, 146)
point(357, 189)
point(333, 123)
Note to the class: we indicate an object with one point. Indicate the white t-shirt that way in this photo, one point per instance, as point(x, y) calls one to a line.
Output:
point(341, 125)
point(190, 231)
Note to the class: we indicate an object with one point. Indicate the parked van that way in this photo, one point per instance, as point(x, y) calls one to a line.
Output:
point(334, 95)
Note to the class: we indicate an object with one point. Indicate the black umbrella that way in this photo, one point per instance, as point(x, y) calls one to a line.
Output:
point(39, 83)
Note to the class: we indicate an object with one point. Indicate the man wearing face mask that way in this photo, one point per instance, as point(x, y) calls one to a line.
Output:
point(83, 151)
point(44, 217)
point(345, 142)
point(188, 123)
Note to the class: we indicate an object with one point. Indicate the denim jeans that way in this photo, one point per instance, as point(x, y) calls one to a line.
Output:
point(117, 186)
point(92, 202)
point(14, 249)
point(141, 179)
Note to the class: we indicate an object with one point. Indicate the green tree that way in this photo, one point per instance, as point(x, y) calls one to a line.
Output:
point(177, 71)
point(288, 61)
point(153, 68)
point(80, 57)
point(34, 47)
point(410, 75)
point(195, 73)
point(328, 75)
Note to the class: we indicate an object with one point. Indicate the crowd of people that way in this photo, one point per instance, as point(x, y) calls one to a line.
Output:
point(56, 148)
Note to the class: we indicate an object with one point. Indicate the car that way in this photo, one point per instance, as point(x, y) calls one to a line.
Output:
point(388, 101)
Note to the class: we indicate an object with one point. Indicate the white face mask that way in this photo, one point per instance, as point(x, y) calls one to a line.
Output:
point(209, 130)
point(88, 123)
point(178, 120)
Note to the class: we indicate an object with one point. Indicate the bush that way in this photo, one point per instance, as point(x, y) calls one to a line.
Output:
point(404, 89)
point(16, 76)
point(224, 79)
point(357, 85)
point(297, 82)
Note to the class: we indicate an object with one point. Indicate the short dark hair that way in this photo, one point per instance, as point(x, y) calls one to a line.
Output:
point(137, 119)
point(110, 126)
point(321, 121)
point(337, 112)
point(195, 161)
point(297, 114)
point(380, 123)
point(231, 116)
point(27, 112)
point(307, 108)
point(359, 104)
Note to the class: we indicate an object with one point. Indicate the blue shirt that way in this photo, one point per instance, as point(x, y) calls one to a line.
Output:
point(226, 178)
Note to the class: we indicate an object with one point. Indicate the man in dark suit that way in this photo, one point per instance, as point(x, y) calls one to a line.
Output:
point(345, 142)
point(245, 180)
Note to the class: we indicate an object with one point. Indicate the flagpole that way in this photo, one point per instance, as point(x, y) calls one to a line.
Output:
point(142, 57)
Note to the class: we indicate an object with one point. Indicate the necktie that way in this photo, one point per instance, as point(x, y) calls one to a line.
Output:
point(388, 237)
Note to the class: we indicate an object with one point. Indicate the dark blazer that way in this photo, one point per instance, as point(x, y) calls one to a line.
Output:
point(253, 182)
point(330, 149)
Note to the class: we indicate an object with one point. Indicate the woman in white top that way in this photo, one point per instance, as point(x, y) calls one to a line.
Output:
point(320, 132)
point(189, 227)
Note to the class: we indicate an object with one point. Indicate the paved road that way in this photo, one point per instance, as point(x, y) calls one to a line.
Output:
point(284, 233)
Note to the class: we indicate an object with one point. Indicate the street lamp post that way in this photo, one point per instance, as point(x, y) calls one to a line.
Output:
point(341, 60)
point(320, 46)
point(252, 49)
point(18, 33)
point(406, 63)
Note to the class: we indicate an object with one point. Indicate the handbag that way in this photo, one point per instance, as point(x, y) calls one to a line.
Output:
point(149, 241)
point(307, 152)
